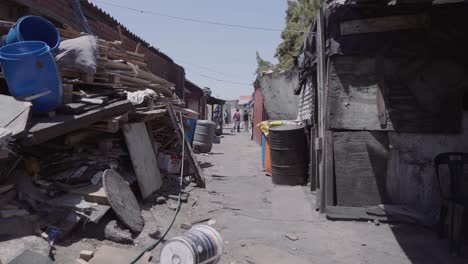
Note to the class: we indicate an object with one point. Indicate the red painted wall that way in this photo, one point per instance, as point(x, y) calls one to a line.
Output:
point(259, 115)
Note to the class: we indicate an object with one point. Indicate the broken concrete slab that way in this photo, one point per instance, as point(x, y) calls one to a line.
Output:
point(14, 247)
point(31, 257)
point(86, 254)
point(113, 255)
point(18, 226)
point(117, 233)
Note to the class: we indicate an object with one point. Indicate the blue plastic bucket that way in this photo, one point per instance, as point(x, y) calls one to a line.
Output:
point(191, 132)
point(30, 72)
point(34, 28)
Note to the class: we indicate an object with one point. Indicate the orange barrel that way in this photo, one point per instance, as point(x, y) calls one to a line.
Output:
point(267, 157)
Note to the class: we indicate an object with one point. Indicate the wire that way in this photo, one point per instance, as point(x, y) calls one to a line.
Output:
point(150, 247)
point(226, 81)
point(206, 68)
point(199, 20)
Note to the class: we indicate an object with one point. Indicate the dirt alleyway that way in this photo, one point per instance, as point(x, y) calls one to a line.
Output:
point(264, 223)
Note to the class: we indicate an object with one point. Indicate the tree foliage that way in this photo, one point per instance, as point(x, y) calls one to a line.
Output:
point(299, 16)
point(263, 65)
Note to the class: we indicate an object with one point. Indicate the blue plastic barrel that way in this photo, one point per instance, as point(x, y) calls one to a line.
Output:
point(191, 133)
point(30, 72)
point(34, 28)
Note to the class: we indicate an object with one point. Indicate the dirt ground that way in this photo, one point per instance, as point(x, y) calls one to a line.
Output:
point(261, 223)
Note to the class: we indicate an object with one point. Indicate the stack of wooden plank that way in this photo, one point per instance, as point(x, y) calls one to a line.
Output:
point(117, 67)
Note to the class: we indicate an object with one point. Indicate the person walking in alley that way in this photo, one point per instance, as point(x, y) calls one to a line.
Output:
point(245, 118)
point(236, 117)
point(226, 117)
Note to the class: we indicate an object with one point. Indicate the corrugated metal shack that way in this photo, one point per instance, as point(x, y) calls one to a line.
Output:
point(390, 87)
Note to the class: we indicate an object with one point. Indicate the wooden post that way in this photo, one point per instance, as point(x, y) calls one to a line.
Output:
point(321, 194)
point(212, 112)
point(199, 178)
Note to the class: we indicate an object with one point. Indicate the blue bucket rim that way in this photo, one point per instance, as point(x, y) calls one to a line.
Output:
point(21, 19)
point(40, 51)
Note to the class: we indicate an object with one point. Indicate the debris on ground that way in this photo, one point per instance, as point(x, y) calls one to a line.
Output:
point(86, 254)
point(291, 237)
point(92, 160)
point(114, 231)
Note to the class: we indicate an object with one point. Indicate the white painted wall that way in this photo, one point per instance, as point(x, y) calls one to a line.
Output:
point(278, 97)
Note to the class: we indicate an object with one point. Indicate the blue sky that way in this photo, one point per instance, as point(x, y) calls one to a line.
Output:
point(222, 49)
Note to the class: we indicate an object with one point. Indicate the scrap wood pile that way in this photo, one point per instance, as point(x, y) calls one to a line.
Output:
point(101, 149)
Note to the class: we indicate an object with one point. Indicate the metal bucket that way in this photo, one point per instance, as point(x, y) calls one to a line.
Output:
point(200, 245)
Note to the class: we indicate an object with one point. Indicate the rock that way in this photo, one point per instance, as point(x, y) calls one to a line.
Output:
point(114, 231)
point(211, 222)
point(376, 222)
point(291, 237)
point(173, 206)
point(185, 226)
point(161, 200)
point(14, 247)
point(86, 254)
point(242, 244)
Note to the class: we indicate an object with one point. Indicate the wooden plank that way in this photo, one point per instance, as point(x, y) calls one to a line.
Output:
point(381, 90)
point(344, 213)
point(360, 167)
point(412, 92)
point(353, 94)
point(321, 73)
point(191, 155)
point(92, 193)
point(312, 164)
point(143, 158)
point(329, 169)
point(385, 24)
point(43, 129)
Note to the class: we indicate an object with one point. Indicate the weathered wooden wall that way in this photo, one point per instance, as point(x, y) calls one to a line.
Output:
point(392, 98)
point(421, 95)
point(360, 167)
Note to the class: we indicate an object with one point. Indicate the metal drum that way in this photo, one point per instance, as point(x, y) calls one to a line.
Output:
point(204, 136)
point(288, 147)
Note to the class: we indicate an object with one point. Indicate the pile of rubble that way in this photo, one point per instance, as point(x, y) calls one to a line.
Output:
point(105, 148)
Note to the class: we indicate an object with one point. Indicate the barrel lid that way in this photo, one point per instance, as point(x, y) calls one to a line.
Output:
point(205, 122)
point(286, 127)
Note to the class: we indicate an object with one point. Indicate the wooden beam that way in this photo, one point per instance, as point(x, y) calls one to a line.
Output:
point(385, 24)
point(321, 66)
point(46, 128)
point(191, 155)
